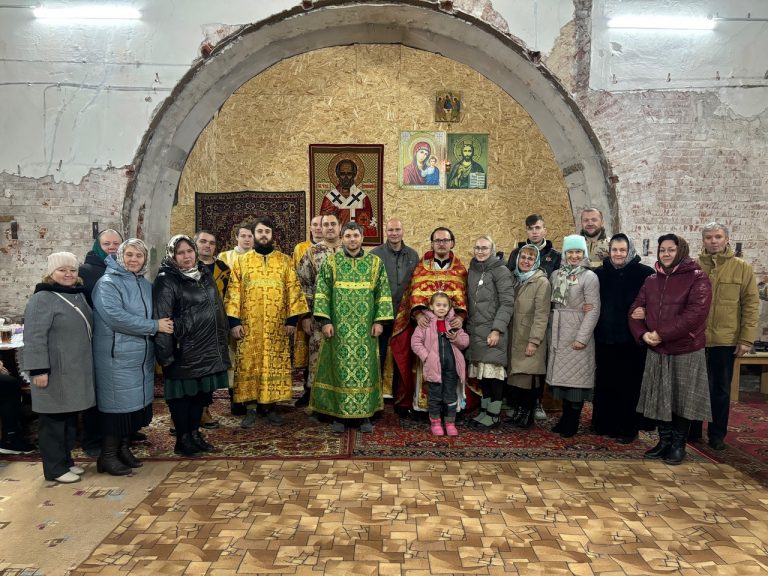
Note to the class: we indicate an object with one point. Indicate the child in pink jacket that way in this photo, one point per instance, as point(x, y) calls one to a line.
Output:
point(439, 348)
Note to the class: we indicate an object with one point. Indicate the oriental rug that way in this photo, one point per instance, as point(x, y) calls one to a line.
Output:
point(405, 438)
point(219, 212)
point(747, 439)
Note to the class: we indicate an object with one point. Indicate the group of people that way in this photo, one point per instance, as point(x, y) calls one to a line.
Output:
point(646, 346)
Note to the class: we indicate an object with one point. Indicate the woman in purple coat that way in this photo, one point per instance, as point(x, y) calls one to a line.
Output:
point(670, 315)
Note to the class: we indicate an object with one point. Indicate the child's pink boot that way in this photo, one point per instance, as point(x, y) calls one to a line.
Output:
point(437, 426)
point(450, 429)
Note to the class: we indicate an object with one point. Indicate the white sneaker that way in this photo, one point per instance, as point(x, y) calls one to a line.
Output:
point(77, 470)
point(68, 478)
point(540, 414)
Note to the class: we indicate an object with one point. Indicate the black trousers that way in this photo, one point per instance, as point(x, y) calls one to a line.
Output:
point(443, 394)
point(56, 439)
point(91, 432)
point(720, 361)
point(10, 405)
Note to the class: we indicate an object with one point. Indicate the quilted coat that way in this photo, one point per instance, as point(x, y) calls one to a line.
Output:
point(676, 307)
point(123, 350)
point(424, 343)
point(491, 299)
point(565, 366)
point(529, 324)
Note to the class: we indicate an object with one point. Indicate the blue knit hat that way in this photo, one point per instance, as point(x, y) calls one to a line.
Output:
point(575, 242)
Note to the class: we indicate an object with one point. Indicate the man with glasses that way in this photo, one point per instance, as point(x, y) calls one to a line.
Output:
point(440, 270)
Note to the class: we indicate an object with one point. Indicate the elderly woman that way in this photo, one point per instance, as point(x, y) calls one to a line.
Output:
point(195, 357)
point(619, 359)
point(490, 299)
point(670, 315)
point(57, 355)
point(124, 354)
point(571, 362)
point(527, 350)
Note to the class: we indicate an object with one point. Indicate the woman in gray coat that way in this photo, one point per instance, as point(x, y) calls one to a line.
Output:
point(57, 355)
point(124, 354)
point(528, 350)
point(490, 299)
point(571, 361)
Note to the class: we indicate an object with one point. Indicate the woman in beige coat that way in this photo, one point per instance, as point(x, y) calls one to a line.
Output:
point(528, 329)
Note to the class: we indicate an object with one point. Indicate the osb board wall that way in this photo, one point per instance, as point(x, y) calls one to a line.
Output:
point(369, 94)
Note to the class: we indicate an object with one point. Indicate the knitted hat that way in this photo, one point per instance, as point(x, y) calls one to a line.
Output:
point(61, 259)
point(575, 242)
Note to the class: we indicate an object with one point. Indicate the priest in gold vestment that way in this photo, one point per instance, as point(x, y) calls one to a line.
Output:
point(264, 303)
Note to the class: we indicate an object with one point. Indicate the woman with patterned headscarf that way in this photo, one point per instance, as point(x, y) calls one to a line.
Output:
point(194, 357)
point(123, 353)
point(669, 315)
point(528, 340)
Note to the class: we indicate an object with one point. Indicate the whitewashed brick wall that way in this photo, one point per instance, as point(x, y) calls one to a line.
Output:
point(51, 217)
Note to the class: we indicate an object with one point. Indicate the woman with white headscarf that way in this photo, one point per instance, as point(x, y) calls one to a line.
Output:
point(124, 353)
point(620, 360)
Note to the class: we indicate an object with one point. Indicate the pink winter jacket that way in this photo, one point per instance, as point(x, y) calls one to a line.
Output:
point(424, 343)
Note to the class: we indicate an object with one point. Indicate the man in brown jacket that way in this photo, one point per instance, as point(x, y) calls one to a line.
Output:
point(731, 325)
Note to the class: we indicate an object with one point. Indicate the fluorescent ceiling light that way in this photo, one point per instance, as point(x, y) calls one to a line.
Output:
point(97, 12)
point(661, 23)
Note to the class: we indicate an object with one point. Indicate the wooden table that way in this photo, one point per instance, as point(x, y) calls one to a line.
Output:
point(758, 358)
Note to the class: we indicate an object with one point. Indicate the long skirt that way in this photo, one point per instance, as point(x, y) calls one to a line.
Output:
point(125, 424)
point(675, 384)
point(618, 378)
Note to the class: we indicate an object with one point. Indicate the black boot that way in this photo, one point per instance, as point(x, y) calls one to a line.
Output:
point(680, 428)
point(201, 442)
point(186, 446)
point(525, 415)
point(125, 455)
point(560, 426)
point(571, 425)
point(665, 442)
point(108, 461)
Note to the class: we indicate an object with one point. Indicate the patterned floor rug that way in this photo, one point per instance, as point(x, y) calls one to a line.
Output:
point(747, 439)
point(411, 439)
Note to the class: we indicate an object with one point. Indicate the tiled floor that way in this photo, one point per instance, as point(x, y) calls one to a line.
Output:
point(422, 518)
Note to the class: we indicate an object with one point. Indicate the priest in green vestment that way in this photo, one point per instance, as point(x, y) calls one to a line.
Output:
point(352, 302)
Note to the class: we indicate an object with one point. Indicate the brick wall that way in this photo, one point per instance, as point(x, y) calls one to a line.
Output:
point(51, 217)
point(682, 162)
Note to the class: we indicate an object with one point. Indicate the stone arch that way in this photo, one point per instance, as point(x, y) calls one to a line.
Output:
point(418, 24)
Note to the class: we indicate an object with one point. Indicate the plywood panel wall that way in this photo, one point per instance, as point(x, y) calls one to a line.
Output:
point(368, 94)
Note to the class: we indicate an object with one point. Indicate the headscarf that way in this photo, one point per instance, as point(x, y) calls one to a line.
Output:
point(566, 274)
point(682, 253)
point(170, 256)
point(524, 276)
point(631, 252)
point(98, 250)
point(133, 243)
point(422, 146)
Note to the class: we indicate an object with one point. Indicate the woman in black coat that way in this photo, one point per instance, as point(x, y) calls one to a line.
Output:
point(619, 359)
point(195, 357)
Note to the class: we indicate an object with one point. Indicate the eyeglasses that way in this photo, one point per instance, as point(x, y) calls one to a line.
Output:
point(482, 248)
point(441, 241)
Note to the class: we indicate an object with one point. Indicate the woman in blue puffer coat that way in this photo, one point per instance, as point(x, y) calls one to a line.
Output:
point(123, 353)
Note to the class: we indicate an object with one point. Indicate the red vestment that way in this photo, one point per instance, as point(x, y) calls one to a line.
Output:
point(425, 281)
